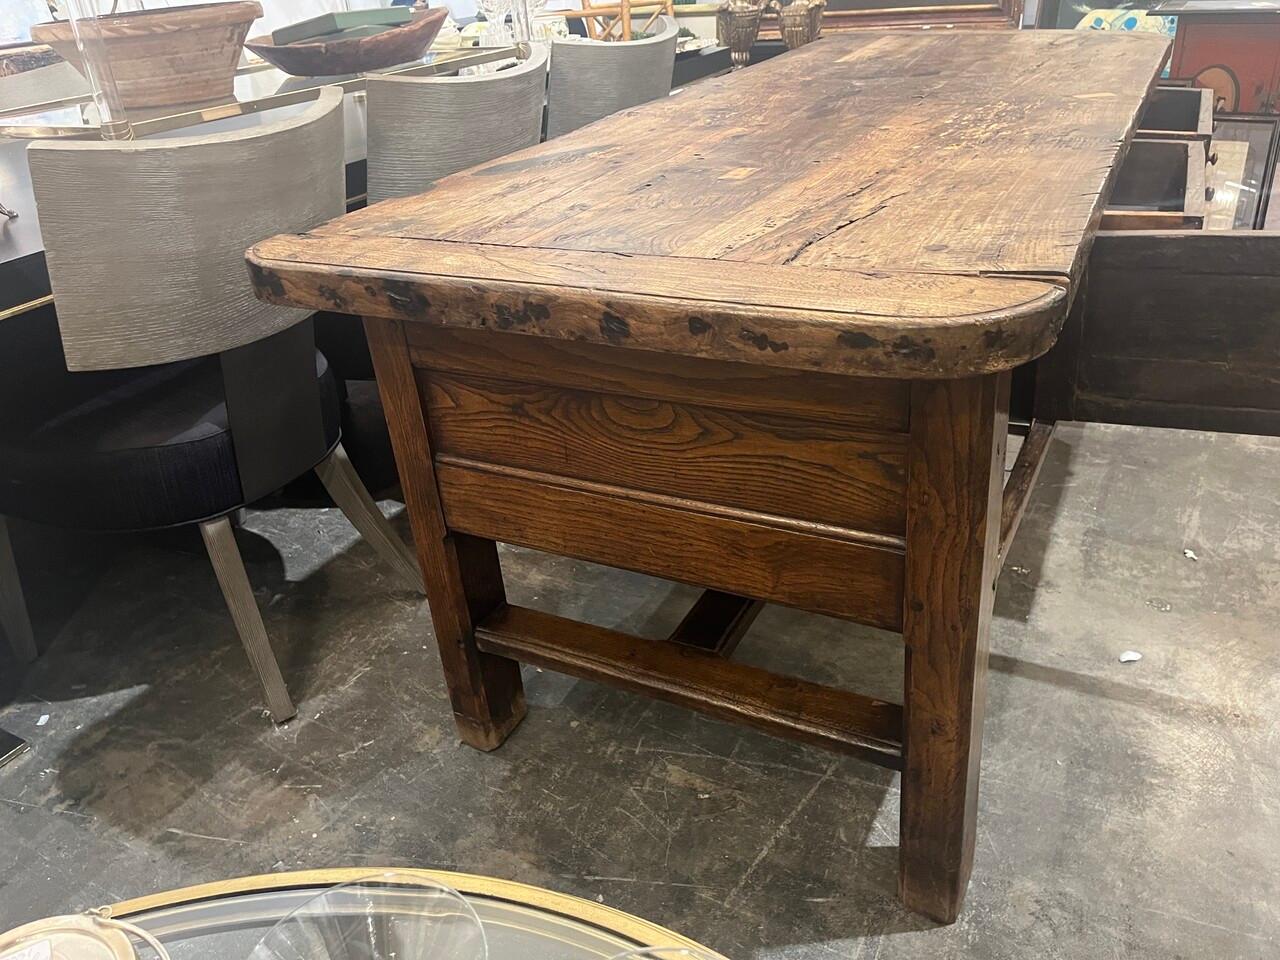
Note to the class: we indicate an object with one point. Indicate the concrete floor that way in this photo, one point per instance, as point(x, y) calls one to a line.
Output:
point(1128, 810)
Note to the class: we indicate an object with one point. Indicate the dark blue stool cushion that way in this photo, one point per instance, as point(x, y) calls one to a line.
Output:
point(117, 449)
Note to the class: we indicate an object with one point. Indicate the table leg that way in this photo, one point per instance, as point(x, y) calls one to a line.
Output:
point(955, 469)
point(462, 574)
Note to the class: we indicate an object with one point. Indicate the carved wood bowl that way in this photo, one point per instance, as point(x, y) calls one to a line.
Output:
point(320, 58)
point(174, 55)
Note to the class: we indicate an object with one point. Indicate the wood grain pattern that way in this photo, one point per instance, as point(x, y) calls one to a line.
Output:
point(767, 463)
point(159, 58)
point(462, 574)
point(1055, 372)
point(1181, 329)
point(1197, 383)
point(877, 404)
point(981, 16)
point(825, 256)
point(739, 553)
point(319, 57)
point(730, 270)
point(784, 706)
point(1182, 416)
point(1021, 481)
point(966, 176)
point(868, 323)
point(958, 432)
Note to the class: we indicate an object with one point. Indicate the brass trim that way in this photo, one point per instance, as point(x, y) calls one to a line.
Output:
point(613, 921)
point(446, 62)
point(27, 307)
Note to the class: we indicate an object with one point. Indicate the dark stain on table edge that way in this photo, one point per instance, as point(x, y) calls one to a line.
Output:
point(910, 355)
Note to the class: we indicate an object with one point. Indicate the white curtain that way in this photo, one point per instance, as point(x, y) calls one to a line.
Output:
point(17, 16)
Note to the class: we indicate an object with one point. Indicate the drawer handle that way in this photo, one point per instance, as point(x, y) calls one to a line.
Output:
point(1208, 193)
point(1213, 158)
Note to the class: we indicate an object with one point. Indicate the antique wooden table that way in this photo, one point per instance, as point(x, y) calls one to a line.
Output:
point(754, 338)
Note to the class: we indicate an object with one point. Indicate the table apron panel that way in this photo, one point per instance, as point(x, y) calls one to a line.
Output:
point(771, 464)
point(864, 402)
point(665, 537)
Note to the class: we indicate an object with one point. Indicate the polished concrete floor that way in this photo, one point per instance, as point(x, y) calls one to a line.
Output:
point(1128, 809)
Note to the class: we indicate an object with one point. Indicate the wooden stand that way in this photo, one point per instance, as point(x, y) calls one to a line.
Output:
point(793, 390)
point(483, 457)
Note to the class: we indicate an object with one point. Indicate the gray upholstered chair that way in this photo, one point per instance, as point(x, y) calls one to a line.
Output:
point(591, 79)
point(425, 128)
point(189, 398)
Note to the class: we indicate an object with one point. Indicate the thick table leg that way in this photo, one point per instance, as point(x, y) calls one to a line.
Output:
point(462, 574)
point(955, 468)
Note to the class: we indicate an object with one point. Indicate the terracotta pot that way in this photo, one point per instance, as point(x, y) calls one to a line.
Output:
point(325, 58)
point(169, 56)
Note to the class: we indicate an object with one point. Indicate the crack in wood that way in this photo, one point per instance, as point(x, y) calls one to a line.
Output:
point(847, 223)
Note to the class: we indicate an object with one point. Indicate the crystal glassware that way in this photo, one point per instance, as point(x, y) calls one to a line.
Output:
point(388, 916)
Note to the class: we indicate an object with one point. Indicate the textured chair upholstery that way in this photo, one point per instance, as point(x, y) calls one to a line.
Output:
point(145, 240)
point(424, 128)
point(168, 393)
point(591, 79)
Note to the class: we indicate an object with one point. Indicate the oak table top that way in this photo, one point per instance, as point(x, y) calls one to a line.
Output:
point(898, 204)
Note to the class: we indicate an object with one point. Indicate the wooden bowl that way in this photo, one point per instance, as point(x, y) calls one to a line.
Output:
point(353, 55)
point(169, 56)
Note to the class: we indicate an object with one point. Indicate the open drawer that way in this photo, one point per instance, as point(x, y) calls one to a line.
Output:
point(1178, 113)
point(1160, 186)
point(1181, 328)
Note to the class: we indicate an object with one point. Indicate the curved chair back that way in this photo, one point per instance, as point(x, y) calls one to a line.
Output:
point(424, 128)
point(591, 79)
point(145, 240)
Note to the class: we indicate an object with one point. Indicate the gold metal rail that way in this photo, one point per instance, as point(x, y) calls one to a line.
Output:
point(444, 63)
point(27, 307)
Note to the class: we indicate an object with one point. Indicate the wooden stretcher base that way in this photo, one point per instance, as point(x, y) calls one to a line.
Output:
point(873, 500)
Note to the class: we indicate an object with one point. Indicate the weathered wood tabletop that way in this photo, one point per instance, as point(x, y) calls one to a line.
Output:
point(754, 338)
point(893, 204)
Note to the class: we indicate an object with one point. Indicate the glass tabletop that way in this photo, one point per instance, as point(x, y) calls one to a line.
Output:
point(223, 921)
point(259, 86)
